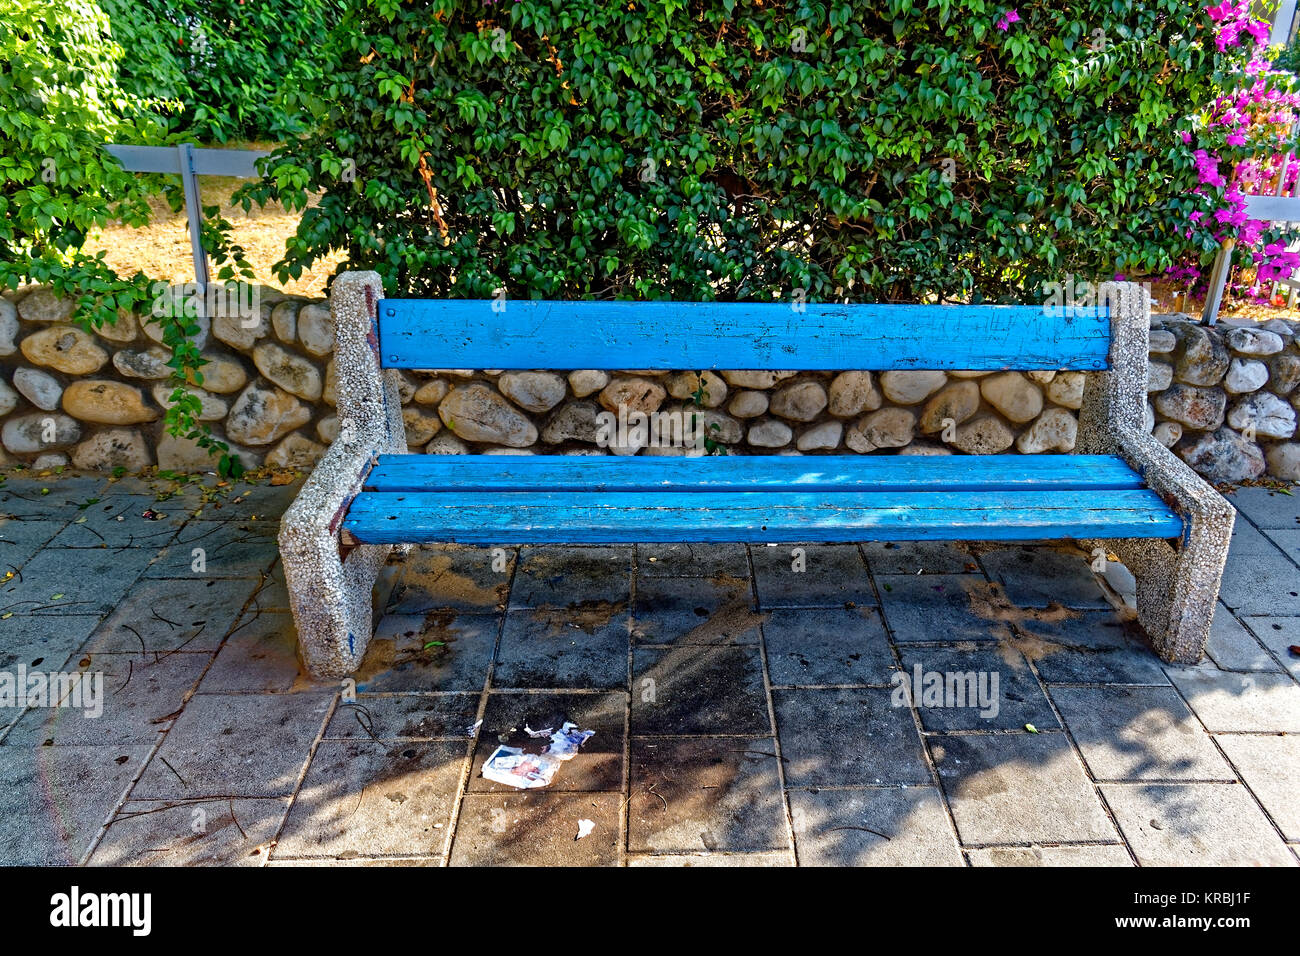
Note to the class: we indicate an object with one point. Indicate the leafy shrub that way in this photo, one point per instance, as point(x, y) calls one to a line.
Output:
point(740, 150)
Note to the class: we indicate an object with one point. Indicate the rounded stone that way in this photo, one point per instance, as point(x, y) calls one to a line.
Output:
point(1284, 373)
point(533, 391)
point(295, 451)
point(921, 447)
point(330, 393)
point(284, 323)
point(769, 434)
point(8, 397)
point(1161, 341)
point(212, 408)
point(632, 394)
point(1270, 416)
point(1017, 398)
point(755, 379)
point(242, 331)
point(717, 426)
point(446, 444)
point(40, 388)
point(42, 305)
point(748, 404)
point(262, 415)
point(575, 421)
point(327, 429)
point(1223, 456)
point(150, 363)
point(293, 373)
point(153, 330)
point(819, 437)
point(586, 381)
point(110, 449)
point(1245, 375)
point(430, 393)
point(107, 403)
point(1204, 359)
point(853, 393)
point(52, 459)
point(185, 456)
point(8, 327)
point(1041, 377)
point(1254, 341)
point(421, 426)
point(1160, 376)
point(800, 402)
point(957, 401)
point(886, 428)
point(910, 387)
point(476, 413)
point(1197, 408)
point(1284, 461)
point(1168, 433)
point(64, 348)
point(36, 432)
point(222, 375)
point(985, 435)
point(316, 329)
point(1054, 430)
point(710, 385)
point(1066, 389)
point(124, 330)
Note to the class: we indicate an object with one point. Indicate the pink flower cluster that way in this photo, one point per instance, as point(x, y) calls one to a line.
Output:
point(1008, 18)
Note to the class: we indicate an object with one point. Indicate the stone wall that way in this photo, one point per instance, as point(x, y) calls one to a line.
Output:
point(1225, 399)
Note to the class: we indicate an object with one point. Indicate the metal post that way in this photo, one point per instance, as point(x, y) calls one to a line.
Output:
point(194, 212)
point(1218, 279)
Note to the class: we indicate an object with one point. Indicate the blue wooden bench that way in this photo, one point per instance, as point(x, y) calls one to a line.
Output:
point(1122, 490)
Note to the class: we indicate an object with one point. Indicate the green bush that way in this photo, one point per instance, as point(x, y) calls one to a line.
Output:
point(738, 150)
point(221, 64)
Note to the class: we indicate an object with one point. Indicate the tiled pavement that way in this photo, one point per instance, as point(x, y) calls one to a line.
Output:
point(741, 697)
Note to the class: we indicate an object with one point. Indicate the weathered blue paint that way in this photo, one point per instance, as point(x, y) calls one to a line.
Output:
point(465, 333)
point(768, 516)
point(498, 473)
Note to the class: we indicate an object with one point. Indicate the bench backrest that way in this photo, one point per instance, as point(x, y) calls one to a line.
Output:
point(485, 333)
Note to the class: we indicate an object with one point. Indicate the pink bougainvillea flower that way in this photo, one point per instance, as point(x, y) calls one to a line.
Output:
point(1008, 18)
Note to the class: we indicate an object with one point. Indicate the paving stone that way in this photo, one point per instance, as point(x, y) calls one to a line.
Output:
point(1267, 508)
point(1087, 647)
point(692, 560)
point(42, 642)
point(452, 577)
point(56, 799)
point(118, 521)
point(1279, 634)
point(587, 577)
point(919, 557)
point(1195, 824)
point(1016, 699)
point(190, 833)
point(405, 717)
point(1269, 766)
point(1018, 788)
point(48, 497)
point(20, 539)
point(370, 798)
point(1071, 856)
point(1139, 733)
point(711, 859)
point(1259, 579)
point(879, 826)
point(834, 575)
point(168, 615)
point(251, 500)
point(1040, 576)
point(847, 738)
point(244, 745)
point(827, 646)
point(536, 828)
point(91, 581)
point(684, 611)
point(1233, 647)
point(598, 765)
point(137, 698)
point(259, 656)
point(1257, 703)
point(710, 794)
point(698, 690)
point(544, 647)
point(271, 593)
point(1287, 541)
point(400, 658)
point(227, 550)
point(941, 607)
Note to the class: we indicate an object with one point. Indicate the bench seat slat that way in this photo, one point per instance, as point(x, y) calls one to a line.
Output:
point(666, 516)
point(483, 333)
point(496, 473)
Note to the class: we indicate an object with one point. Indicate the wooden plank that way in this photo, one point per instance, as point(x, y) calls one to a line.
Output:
point(497, 473)
point(582, 518)
point(708, 335)
point(207, 162)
